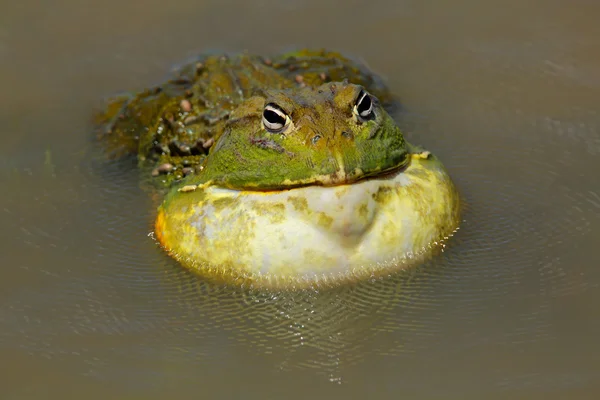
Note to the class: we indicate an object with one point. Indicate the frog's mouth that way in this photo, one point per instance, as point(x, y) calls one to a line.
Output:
point(247, 181)
point(342, 177)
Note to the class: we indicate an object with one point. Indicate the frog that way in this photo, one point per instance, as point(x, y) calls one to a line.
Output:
point(306, 181)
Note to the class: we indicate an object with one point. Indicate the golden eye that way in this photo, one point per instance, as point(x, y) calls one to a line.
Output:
point(363, 107)
point(274, 118)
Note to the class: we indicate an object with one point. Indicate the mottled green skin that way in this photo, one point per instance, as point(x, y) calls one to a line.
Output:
point(325, 143)
point(175, 123)
point(292, 177)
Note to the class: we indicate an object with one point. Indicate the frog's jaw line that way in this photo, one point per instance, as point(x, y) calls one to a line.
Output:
point(312, 235)
point(322, 180)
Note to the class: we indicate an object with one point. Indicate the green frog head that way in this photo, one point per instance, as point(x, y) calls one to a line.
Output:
point(333, 134)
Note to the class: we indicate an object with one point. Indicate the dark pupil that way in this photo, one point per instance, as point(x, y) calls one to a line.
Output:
point(364, 103)
point(273, 117)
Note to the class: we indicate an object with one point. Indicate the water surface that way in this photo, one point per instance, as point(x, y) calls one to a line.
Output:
point(505, 92)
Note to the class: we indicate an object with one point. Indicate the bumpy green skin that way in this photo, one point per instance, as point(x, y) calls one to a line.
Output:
point(325, 143)
point(170, 127)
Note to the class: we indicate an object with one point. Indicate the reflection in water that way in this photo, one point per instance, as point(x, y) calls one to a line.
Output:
point(506, 96)
point(301, 329)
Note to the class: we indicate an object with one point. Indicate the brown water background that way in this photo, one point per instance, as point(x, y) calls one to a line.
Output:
point(507, 93)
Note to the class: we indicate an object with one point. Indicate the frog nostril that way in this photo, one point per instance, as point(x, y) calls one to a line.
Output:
point(348, 135)
point(315, 139)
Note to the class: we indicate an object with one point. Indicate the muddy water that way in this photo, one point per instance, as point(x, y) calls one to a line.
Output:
point(506, 92)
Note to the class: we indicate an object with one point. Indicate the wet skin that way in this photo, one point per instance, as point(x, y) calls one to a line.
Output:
point(301, 183)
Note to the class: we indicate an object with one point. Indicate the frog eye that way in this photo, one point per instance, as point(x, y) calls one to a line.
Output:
point(364, 106)
point(274, 118)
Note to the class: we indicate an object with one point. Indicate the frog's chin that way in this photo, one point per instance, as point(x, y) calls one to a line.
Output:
point(313, 234)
